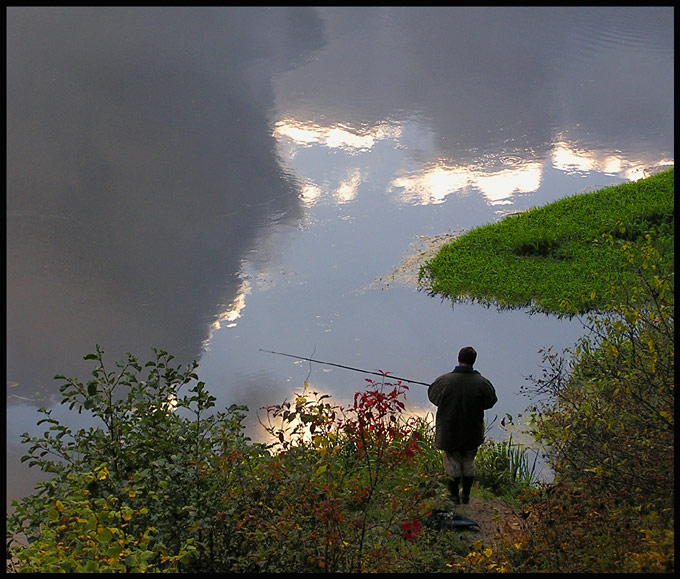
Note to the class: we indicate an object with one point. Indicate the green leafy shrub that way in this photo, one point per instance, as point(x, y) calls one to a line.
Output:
point(609, 429)
point(83, 534)
point(612, 420)
point(166, 484)
point(154, 456)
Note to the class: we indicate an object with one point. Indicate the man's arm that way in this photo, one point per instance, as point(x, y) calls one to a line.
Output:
point(490, 397)
point(434, 392)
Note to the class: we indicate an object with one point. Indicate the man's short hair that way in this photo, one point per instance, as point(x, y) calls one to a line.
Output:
point(467, 355)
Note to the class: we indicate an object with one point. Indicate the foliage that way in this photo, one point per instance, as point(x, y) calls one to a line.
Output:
point(164, 485)
point(547, 257)
point(149, 469)
point(504, 467)
point(612, 421)
point(82, 534)
point(608, 424)
point(571, 529)
point(351, 487)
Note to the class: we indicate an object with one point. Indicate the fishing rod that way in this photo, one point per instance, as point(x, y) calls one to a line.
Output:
point(345, 367)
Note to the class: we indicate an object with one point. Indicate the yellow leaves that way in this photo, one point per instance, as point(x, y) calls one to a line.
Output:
point(261, 504)
point(520, 543)
point(60, 506)
point(102, 472)
point(597, 471)
point(480, 559)
point(126, 513)
point(665, 415)
point(478, 547)
point(323, 444)
point(132, 493)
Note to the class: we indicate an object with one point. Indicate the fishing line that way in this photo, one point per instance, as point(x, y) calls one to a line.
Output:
point(346, 367)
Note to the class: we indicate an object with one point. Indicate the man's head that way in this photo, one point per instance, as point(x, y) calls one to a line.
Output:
point(467, 356)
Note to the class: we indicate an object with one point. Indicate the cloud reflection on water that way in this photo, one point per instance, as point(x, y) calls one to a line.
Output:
point(433, 182)
point(335, 136)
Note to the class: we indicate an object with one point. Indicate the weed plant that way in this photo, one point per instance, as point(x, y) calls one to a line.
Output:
point(505, 467)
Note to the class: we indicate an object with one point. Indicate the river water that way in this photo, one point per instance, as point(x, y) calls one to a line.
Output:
point(220, 181)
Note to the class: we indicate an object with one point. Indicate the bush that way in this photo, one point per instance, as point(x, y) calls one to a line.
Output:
point(149, 479)
point(609, 429)
point(165, 484)
point(612, 421)
point(352, 488)
point(83, 534)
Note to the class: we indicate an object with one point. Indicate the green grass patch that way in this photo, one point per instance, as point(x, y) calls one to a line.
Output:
point(561, 258)
point(505, 467)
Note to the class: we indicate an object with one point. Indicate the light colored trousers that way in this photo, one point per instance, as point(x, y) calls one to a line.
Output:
point(459, 463)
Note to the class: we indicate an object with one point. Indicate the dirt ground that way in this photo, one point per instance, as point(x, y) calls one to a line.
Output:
point(498, 521)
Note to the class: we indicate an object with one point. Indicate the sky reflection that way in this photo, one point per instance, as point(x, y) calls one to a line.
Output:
point(432, 183)
point(335, 136)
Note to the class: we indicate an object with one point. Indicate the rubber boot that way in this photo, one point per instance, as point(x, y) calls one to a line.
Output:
point(453, 489)
point(467, 485)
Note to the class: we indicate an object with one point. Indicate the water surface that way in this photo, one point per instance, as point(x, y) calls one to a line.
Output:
point(216, 181)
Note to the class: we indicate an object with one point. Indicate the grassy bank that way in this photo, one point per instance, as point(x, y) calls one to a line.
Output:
point(560, 258)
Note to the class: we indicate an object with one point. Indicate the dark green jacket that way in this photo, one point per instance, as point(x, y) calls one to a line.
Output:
point(461, 397)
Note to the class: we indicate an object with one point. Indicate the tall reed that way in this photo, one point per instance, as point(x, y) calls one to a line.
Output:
point(503, 467)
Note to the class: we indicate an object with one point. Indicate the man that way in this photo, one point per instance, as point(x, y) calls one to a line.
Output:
point(461, 397)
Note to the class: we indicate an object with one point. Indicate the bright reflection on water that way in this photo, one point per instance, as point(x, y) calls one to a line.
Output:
point(217, 181)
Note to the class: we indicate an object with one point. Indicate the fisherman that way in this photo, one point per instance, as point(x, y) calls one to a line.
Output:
point(461, 397)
